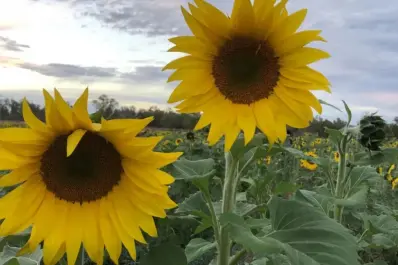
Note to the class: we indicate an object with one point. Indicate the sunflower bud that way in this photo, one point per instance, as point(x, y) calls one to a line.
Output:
point(372, 132)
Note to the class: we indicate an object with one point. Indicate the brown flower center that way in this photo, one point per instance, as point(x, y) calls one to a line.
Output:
point(89, 174)
point(245, 70)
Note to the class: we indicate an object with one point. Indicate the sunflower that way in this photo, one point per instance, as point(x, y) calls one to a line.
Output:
point(379, 170)
point(190, 136)
point(336, 156)
point(268, 160)
point(178, 141)
point(391, 169)
point(394, 183)
point(309, 164)
point(81, 183)
point(248, 70)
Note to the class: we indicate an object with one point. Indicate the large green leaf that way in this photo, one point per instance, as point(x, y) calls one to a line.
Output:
point(194, 204)
point(9, 257)
point(304, 234)
point(239, 149)
point(309, 236)
point(349, 113)
point(191, 170)
point(165, 254)
point(358, 177)
point(197, 247)
point(328, 104)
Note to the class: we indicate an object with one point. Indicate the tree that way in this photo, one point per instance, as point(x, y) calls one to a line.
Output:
point(105, 105)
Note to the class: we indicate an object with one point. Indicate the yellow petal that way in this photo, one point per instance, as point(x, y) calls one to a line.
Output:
point(305, 97)
point(188, 62)
point(73, 141)
point(21, 218)
point(288, 26)
point(55, 242)
point(242, 17)
point(60, 253)
point(214, 18)
point(265, 119)
point(285, 114)
point(21, 135)
point(130, 125)
point(128, 242)
point(108, 232)
point(157, 159)
point(64, 109)
point(216, 131)
point(192, 45)
point(300, 110)
point(246, 122)
point(80, 110)
point(24, 149)
point(196, 103)
point(92, 239)
point(75, 233)
point(303, 56)
point(300, 85)
point(9, 160)
point(53, 116)
point(189, 75)
point(231, 133)
point(19, 175)
point(200, 30)
point(123, 210)
point(296, 41)
point(305, 74)
point(187, 89)
point(31, 120)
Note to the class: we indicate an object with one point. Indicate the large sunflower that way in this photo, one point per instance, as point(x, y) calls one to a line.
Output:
point(247, 70)
point(96, 184)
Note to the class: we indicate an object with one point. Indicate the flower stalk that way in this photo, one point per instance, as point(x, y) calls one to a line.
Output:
point(341, 178)
point(228, 204)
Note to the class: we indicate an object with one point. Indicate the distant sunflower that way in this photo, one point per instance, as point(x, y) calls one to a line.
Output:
point(391, 169)
point(248, 70)
point(309, 164)
point(380, 170)
point(336, 156)
point(394, 183)
point(268, 160)
point(178, 141)
point(190, 136)
point(96, 184)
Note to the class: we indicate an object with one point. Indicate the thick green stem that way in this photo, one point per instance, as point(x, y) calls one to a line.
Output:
point(341, 177)
point(214, 221)
point(228, 202)
point(238, 256)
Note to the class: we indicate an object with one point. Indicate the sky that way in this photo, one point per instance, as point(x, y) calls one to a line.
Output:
point(118, 47)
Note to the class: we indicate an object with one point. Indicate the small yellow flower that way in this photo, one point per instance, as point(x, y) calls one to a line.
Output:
point(336, 156)
point(380, 170)
point(388, 177)
point(391, 168)
point(309, 164)
point(268, 160)
point(178, 141)
point(394, 183)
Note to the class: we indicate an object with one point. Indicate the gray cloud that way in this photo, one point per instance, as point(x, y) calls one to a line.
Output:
point(69, 71)
point(362, 39)
point(12, 45)
point(146, 74)
point(141, 74)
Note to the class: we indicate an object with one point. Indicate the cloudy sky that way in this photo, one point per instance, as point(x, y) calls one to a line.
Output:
point(118, 47)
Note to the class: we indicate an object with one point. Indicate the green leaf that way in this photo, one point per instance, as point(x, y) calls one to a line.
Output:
point(335, 136)
point(309, 236)
point(261, 261)
point(360, 176)
point(197, 247)
point(384, 241)
point(356, 199)
point(321, 201)
point(165, 254)
point(241, 208)
point(349, 113)
point(191, 170)
point(285, 187)
point(239, 149)
point(193, 204)
point(8, 256)
point(328, 104)
point(240, 232)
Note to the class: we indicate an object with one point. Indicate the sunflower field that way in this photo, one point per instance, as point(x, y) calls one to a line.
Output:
point(238, 189)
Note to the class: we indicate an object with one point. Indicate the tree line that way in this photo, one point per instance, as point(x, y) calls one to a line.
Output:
point(109, 108)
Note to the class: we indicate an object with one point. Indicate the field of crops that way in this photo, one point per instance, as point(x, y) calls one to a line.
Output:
point(295, 190)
